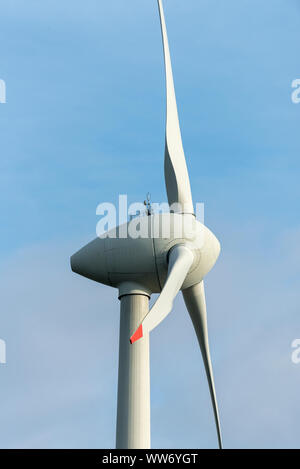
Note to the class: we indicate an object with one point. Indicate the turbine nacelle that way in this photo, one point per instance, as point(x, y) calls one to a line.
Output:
point(116, 260)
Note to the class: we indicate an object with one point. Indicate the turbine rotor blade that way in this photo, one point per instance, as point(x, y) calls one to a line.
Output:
point(176, 173)
point(194, 298)
point(180, 260)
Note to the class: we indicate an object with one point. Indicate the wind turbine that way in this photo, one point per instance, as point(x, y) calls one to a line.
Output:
point(158, 263)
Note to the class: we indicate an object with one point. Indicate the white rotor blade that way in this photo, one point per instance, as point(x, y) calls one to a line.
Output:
point(176, 173)
point(180, 261)
point(194, 298)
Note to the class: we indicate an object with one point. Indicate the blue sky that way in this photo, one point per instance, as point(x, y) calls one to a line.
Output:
point(84, 122)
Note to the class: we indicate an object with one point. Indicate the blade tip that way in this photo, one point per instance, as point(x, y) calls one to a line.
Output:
point(137, 335)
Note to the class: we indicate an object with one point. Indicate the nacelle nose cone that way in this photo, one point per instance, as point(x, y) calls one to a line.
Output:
point(207, 251)
point(210, 251)
point(214, 246)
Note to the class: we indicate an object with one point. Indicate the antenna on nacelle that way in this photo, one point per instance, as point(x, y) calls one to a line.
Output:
point(147, 204)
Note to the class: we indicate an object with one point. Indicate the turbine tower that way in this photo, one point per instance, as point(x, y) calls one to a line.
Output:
point(176, 255)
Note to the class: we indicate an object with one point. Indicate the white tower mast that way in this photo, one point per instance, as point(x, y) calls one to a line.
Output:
point(133, 414)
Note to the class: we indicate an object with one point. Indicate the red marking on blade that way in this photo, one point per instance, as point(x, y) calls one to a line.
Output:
point(137, 335)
